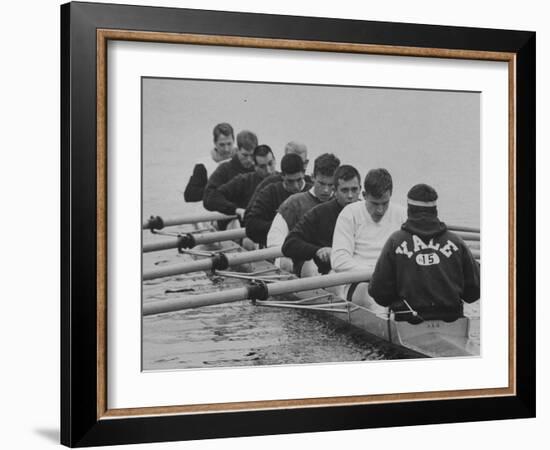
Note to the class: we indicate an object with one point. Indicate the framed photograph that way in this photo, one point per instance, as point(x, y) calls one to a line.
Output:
point(187, 313)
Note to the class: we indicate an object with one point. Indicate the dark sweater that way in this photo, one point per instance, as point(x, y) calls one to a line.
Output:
point(194, 191)
point(226, 171)
point(236, 193)
point(429, 267)
point(260, 214)
point(295, 206)
point(264, 183)
point(313, 232)
point(270, 180)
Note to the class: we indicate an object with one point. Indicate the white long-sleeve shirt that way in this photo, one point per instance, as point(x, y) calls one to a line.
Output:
point(358, 240)
point(278, 232)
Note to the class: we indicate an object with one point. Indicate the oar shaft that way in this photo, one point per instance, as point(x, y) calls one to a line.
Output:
point(212, 298)
point(233, 259)
point(157, 222)
point(461, 228)
point(467, 236)
point(277, 288)
point(190, 241)
point(317, 282)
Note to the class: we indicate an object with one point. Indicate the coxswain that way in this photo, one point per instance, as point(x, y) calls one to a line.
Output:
point(425, 271)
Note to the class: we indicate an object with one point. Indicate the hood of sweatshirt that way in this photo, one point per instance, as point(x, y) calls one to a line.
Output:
point(424, 224)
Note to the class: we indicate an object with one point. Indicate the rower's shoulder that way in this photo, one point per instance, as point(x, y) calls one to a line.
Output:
point(221, 166)
point(269, 192)
point(330, 206)
point(270, 179)
point(294, 199)
point(354, 208)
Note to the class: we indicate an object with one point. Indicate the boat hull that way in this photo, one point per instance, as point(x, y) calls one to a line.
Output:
point(433, 338)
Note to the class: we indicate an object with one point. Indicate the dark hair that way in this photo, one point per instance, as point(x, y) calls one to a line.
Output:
point(262, 150)
point(291, 163)
point(325, 165)
point(222, 128)
point(378, 182)
point(247, 140)
point(346, 173)
point(422, 193)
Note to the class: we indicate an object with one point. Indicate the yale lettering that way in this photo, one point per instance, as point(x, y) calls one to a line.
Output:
point(449, 249)
point(432, 245)
point(404, 250)
point(418, 244)
point(426, 259)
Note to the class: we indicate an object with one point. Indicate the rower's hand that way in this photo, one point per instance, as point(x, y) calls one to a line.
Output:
point(323, 254)
point(240, 212)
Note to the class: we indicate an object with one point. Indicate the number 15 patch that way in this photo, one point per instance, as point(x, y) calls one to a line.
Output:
point(427, 259)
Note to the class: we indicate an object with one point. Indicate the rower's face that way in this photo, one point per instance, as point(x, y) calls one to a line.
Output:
point(246, 157)
point(323, 187)
point(347, 191)
point(377, 206)
point(224, 144)
point(293, 183)
point(265, 165)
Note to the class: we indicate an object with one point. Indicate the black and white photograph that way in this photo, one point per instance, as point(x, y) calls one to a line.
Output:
point(273, 223)
point(288, 223)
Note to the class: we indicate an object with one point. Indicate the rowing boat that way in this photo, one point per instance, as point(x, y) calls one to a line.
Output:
point(431, 338)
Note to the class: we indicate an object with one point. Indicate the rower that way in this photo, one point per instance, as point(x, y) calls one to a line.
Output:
point(232, 197)
point(292, 147)
point(224, 148)
point(309, 243)
point(425, 271)
point(361, 231)
point(295, 206)
point(260, 213)
point(241, 162)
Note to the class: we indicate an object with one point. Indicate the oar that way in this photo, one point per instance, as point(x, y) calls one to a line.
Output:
point(220, 261)
point(256, 291)
point(190, 240)
point(158, 223)
point(467, 235)
point(461, 228)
